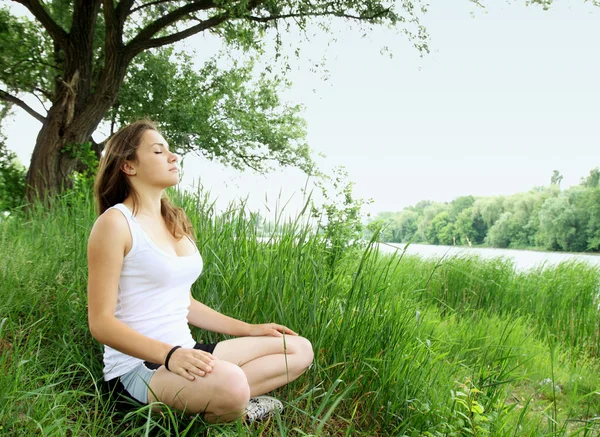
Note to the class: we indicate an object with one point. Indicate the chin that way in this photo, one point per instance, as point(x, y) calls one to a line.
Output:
point(168, 184)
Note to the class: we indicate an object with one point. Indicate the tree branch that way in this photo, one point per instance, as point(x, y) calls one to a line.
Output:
point(123, 9)
point(145, 5)
point(40, 100)
point(317, 14)
point(145, 35)
point(45, 93)
point(12, 99)
point(157, 42)
point(249, 160)
point(145, 41)
point(111, 20)
point(56, 32)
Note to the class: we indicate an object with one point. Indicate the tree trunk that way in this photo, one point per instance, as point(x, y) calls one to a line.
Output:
point(75, 111)
point(50, 168)
point(73, 117)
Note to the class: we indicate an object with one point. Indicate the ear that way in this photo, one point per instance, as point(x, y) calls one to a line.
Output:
point(127, 169)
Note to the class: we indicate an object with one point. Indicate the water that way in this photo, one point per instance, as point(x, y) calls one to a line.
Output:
point(522, 259)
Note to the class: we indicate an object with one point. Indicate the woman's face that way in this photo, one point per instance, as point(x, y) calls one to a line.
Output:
point(156, 165)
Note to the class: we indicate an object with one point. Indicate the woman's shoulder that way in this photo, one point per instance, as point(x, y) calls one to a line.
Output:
point(111, 223)
point(109, 241)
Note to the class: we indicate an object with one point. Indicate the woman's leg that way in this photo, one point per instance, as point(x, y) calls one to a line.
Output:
point(222, 394)
point(264, 362)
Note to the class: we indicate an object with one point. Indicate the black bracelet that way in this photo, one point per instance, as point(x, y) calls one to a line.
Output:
point(169, 356)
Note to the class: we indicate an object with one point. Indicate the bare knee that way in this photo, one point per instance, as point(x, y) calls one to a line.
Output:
point(304, 353)
point(232, 392)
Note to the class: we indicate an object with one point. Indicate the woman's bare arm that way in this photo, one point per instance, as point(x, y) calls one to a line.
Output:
point(109, 240)
point(205, 317)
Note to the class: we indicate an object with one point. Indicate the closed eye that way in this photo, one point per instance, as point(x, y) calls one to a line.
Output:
point(158, 153)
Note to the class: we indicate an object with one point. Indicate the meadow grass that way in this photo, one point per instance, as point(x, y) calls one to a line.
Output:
point(562, 301)
point(403, 346)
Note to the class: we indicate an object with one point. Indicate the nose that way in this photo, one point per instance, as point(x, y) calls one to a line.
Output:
point(174, 157)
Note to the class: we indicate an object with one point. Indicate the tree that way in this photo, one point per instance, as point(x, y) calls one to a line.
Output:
point(489, 209)
point(447, 234)
point(522, 206)
point(499, 235)
point(563, 222)
point(12, 179)
point(593, 180)
point(440, 231)
point(425, 221)
point(76, 54)
point(464, 227)
point(542, 194)
point(215, 110)
point(592, 205)
point(479, 227)
point(12, 175)
point(459, 204)
point(407, 227)
point(556, 178)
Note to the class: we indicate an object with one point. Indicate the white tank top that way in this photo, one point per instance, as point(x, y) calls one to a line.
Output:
point(153, 296)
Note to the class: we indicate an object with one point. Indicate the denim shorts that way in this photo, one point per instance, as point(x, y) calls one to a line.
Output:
point(134, 384)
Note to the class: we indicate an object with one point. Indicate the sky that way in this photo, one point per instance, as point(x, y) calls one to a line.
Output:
point(506, 95)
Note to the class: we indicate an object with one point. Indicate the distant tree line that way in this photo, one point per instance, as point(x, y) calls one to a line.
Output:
point(545, 217)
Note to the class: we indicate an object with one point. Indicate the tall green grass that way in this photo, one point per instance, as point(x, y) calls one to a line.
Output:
point(562, 301)
point(402, 346)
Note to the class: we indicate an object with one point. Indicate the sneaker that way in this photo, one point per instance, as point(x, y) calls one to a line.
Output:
point(261, 408)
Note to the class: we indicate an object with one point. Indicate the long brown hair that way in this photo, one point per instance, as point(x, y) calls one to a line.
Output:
point(112, 186)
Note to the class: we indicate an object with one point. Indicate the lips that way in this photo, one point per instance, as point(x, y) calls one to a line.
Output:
point(174, 168)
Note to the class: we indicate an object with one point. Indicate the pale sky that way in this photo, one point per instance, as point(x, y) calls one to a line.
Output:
point(505, 97)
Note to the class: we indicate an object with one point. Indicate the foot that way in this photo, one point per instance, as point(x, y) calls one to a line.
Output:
point(261, 408)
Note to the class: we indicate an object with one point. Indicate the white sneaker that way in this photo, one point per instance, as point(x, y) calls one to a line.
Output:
point(261, 408)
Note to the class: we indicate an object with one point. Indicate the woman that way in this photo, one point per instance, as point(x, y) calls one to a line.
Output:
point(142, 262)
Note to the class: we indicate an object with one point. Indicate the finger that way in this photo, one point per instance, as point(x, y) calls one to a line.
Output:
point(199, 372)
point(285, 330)
point(203, 365)
point(199, 353)
point(209, 355)
point(191, 371)
point(194, 371)
point(282, 329)
point(206, 357)
point(186, 375)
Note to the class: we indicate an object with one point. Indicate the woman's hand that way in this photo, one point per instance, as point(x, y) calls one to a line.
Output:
point(270, 329)
point(190, 363)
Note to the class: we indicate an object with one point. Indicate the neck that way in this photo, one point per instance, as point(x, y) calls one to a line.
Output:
point(148, 203)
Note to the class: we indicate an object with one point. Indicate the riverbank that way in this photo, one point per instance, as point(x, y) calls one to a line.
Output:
point(403, 345)
point(522, 259)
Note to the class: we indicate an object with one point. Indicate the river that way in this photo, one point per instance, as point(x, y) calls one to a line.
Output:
point(523, 259)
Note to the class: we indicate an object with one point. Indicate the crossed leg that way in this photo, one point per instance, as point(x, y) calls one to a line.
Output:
point(268, 362)
point(221, 395)
point(246, 366)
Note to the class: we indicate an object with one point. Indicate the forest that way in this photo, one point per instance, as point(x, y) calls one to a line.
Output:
point(545, 217)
